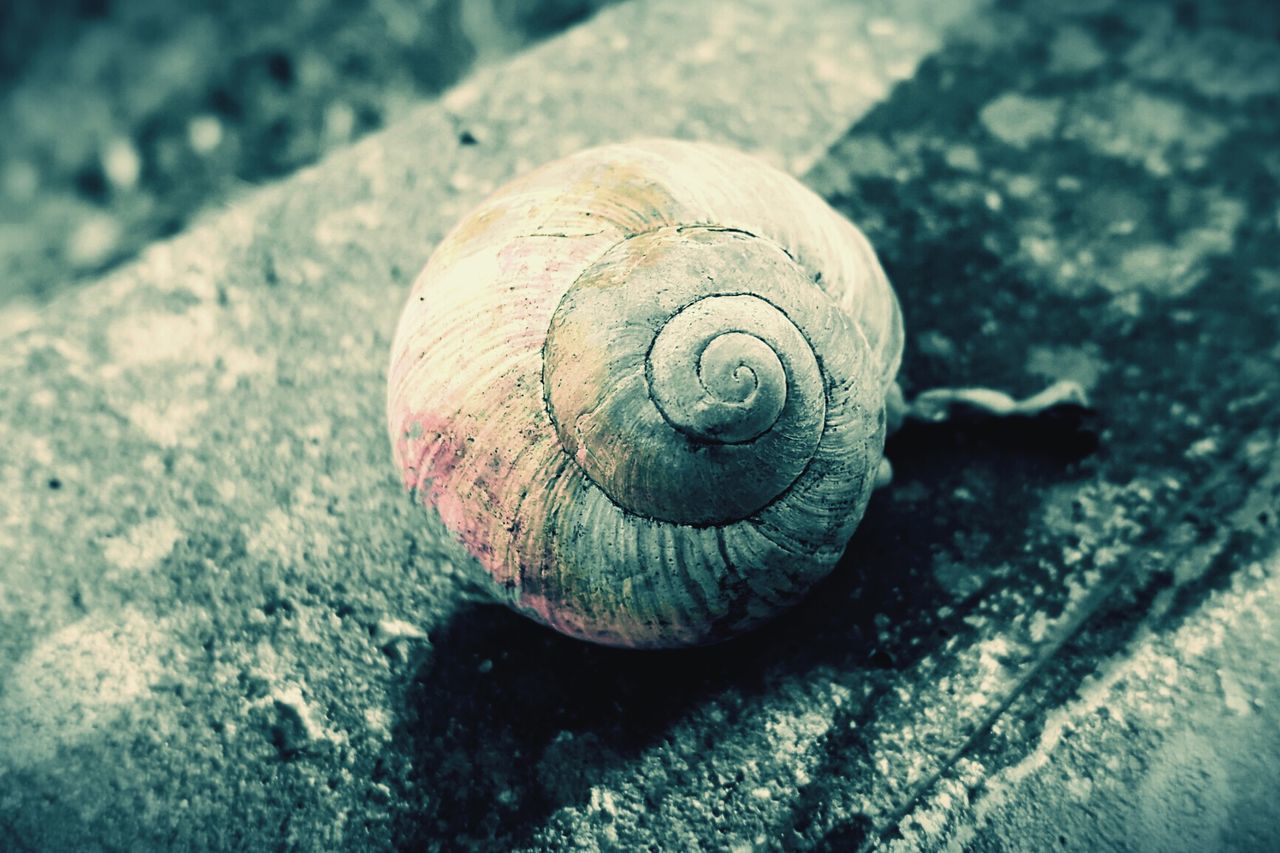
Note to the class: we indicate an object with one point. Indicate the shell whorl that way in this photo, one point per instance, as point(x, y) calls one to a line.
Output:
point(678, 378)
point(644, 387)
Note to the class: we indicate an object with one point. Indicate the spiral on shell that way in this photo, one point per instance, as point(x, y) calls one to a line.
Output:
point(644, 387)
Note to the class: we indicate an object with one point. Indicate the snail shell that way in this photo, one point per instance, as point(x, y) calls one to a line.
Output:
point(644, 386)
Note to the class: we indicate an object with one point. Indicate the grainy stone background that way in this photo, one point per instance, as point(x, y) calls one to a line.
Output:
point(222, 625)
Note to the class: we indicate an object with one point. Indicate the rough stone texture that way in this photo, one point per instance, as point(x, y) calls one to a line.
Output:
point(1125, 592)
point(1053, 632)
point(1170, 745)
point(212, 590)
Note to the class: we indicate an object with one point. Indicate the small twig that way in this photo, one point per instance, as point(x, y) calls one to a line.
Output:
point(936, 406)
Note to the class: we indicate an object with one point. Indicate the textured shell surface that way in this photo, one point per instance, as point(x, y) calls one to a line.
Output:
point(644, 387)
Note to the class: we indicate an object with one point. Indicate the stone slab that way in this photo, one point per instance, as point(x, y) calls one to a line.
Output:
point(1052, 204)
point(221, 623)
point(214, 597)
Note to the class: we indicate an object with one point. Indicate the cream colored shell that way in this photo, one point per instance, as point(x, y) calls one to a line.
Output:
point(645, 387)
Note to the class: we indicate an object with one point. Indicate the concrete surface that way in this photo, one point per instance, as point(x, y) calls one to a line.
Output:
point(223, 626)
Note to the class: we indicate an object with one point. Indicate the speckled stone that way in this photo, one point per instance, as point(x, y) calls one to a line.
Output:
point(223, 626)
point(221, 621)
point(1127, 246)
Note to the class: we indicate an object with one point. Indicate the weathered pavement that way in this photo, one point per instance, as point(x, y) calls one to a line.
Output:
point(1050, 633)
